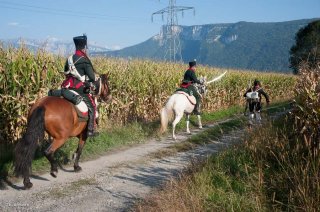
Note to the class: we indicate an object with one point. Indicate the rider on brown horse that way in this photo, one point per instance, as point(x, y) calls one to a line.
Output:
point(80, 76)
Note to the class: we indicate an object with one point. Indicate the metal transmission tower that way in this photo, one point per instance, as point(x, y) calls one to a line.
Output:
point(171, 32)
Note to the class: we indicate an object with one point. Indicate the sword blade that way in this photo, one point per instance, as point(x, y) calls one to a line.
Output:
point(217, 78)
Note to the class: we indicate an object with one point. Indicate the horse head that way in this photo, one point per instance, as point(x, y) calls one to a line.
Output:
point(103, 89)
point(202, 88)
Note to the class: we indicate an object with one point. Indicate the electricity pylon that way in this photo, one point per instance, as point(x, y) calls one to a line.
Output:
point(172, 30)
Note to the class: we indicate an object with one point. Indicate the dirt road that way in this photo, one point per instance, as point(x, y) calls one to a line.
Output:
point(112, 182)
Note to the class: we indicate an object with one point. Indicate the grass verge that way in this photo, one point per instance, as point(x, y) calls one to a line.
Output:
point(118, 137)
point(269, 171)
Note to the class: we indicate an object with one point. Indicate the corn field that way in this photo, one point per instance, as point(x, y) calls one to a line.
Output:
point(288, 157)
point(139, 87)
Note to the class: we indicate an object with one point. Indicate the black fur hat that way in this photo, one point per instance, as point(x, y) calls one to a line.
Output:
point(80, 42)
point(192, 63)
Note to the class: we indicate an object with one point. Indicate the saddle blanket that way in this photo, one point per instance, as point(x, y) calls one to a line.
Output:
point(191, 99)
point(82, 108)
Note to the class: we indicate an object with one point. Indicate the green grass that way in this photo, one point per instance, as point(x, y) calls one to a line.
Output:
point(211, 117)
point(95, 147)
point(227, 181)
point(131, 134)
point(217, 131)
point(230, 189)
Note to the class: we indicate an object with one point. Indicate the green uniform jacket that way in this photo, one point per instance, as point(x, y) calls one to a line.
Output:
point(190, 76)
point(83, 66)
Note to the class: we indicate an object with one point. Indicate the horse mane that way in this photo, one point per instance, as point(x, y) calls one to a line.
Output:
point(104, 78)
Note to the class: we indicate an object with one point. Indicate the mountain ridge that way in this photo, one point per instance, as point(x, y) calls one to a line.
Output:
point(262, 46)
point(51, 45)
point(259, 46)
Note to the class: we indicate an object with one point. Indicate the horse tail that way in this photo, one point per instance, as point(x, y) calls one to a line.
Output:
point(26, 147)
point(165, 115)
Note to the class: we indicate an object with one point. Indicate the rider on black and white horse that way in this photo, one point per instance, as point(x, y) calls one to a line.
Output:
point(253, 96)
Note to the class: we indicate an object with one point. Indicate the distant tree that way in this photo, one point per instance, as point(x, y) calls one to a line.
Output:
point(307, 47)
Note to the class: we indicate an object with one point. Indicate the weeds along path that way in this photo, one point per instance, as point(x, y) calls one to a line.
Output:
point(112, 182)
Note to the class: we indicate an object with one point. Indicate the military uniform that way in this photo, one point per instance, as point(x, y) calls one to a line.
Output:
point(79, 74)
point(256, 104)
point(189, 79)
point(261, 93)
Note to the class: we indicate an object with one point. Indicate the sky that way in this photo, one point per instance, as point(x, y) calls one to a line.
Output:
point(117, 24)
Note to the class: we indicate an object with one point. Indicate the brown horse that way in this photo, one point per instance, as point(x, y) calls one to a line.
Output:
point(57, 117)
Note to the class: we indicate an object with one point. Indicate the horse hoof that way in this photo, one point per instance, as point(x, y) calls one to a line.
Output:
point(27, 185)
point(54, 174)
point(77, 169)
point(200, 127)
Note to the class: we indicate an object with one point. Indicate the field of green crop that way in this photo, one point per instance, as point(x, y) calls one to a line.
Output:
point(139, 87)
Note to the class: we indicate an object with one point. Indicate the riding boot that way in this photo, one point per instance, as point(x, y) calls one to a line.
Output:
point(70, 96)
point(55, 93)
point(91, 114)
point(91, 132)
point(196, 110)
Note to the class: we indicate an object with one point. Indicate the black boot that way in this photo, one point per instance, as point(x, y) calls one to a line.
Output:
point(70, 96)
point(55, 93)
point(91, 132)
point(196, 110)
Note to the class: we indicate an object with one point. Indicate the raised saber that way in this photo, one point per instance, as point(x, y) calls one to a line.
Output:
point(217, 78)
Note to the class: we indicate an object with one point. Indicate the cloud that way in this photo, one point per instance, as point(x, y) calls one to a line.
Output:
point(13, 24)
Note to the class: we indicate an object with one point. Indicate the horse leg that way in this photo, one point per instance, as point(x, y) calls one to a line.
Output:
point(77, 154)
point(174, 123)
point(199, 121)
point(258, 117)
point(26, 181)
point(188, 122)
point(49, 153)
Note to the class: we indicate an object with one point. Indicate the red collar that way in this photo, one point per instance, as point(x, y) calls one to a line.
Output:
point(255, 88)
point(192, 69)
point(81, 53)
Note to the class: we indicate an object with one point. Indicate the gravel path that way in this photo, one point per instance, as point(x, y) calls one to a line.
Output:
point(112, 182)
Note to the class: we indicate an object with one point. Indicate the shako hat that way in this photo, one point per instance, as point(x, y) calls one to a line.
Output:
point(80, 41)
point(256, 82)
point(192, 63)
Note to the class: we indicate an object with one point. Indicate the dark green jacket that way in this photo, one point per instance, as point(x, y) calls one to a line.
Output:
point(83, 66)
point(190, 76)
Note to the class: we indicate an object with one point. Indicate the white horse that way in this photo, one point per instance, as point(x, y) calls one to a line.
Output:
point(181, 103)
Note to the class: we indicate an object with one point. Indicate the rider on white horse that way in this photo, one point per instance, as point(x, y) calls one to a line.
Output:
point(189, 79)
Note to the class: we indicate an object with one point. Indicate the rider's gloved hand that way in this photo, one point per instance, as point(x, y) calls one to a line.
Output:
point(92, 86)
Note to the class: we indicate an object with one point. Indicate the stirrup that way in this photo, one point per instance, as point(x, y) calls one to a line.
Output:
point(196, 112)
point(92, 134)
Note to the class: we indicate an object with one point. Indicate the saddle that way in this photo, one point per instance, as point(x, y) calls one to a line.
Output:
point(188, 94)
point(80, 106)
point(82, 111)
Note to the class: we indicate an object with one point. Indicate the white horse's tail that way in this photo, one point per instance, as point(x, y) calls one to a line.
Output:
point(165, 115)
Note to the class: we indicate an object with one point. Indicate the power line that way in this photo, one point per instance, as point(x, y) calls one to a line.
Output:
point(172, 31)
point(63, 12)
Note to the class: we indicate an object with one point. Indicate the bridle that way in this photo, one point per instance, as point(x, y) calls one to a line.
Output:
point(102, 88)
point(201, 89)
